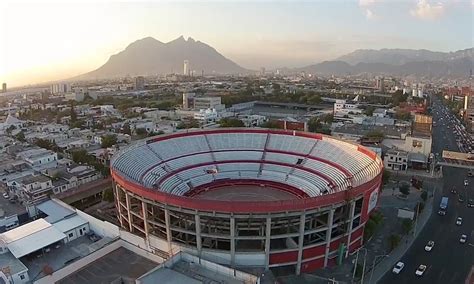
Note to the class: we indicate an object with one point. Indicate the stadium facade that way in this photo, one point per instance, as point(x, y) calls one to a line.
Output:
point(248, 197)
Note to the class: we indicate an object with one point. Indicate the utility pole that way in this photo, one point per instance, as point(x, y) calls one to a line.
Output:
point(363, 267)
point(373, 266)
point(416, 219)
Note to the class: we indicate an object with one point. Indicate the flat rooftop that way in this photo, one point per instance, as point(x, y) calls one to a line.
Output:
point(246, 193)
point(119, 264)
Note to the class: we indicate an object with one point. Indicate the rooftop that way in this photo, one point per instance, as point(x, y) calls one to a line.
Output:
point(119, 264)
point(33, 179)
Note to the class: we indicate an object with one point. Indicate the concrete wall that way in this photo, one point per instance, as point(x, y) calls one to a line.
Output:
point(101, 228)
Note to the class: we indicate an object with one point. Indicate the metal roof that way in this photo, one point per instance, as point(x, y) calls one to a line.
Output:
point(69, 224)
point(35, 241)
point(54, 210)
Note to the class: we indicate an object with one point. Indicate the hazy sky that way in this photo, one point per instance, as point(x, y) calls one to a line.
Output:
point(52, 40)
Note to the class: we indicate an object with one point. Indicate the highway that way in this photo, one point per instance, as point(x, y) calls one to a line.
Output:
point(449, 261)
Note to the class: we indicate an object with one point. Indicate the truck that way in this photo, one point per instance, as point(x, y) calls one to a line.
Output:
point(443, 206)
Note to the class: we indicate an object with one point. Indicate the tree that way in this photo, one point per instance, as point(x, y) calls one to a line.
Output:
point(407, 225)
point(270, 124)
point(73, 113)
point(327, 118)
point(231, 122)
point(192, 123)
point(369, 111)
point(108, 140)
point(424, 195)
point(108, 195)
point(386, 176)
point(20, 136)
point(404, 189)
point(126, 128)
point(394, 241)
point(10, 129)
point(141, 132)
point(402, 115)
point(314, 124)
point(375, 134)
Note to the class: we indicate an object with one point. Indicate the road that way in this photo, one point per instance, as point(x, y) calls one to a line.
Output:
point(449, 261)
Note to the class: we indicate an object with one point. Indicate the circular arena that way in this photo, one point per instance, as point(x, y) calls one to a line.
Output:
point(275, 199)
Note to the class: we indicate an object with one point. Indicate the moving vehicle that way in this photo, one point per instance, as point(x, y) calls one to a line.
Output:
point(421, 269)
point(466, 183)
point(470, 202)
point(461, 198)
point(459, 221)
point(463, 239)
point(398, 267)
point(429, 246)
point(443, 206)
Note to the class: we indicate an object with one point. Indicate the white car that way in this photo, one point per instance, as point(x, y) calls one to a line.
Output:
point(398, 267)
point(463, 239)
point(421, 269)
point(5, 195)
point(466, 183)
point(429, 246)
point(459, 221)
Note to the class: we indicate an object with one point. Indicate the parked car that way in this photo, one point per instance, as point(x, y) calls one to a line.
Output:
point(5, 195)
point(461, 198)
point(429, 246)
point(421, 269)
point(398, 267)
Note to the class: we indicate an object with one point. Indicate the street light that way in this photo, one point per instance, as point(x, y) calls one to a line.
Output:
point(373, 266)
point(356, 262)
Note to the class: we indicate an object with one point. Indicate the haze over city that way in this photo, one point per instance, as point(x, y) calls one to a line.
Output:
point(47, 41)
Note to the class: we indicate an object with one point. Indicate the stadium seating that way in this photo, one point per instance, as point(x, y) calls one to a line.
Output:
point(175, 165)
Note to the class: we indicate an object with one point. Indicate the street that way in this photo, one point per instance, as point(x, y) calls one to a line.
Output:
point(449, 261)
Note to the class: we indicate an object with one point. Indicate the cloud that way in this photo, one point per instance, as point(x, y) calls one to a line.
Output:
point(369, 14)
point(365, 3)
point(426, 11)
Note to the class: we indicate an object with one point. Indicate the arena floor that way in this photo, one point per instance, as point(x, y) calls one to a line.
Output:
point(246, 193)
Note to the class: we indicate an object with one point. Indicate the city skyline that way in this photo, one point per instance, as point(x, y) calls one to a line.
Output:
point(45, 41)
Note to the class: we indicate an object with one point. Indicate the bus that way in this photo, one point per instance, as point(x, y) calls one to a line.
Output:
point(443, 206)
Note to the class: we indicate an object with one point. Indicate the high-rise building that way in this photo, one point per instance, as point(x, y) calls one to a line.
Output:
point(4, 87)
point(186, 68)
point(188, 100)
point(139, 83)
point(380, 84)
point(60, 88)
point(262, 71)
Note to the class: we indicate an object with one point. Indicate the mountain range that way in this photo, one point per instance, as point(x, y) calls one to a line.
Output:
point(149, 56)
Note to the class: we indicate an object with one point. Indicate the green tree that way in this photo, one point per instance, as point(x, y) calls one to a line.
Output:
point(141, 132)
point(424, 196)
point(369, 110)
point(126, 128)
point(386, 176)
point(404, 189)
point(20, 136)
point(327, 118)
point(108, 140)
point(407, 225)
point(270, 124)
point(375, 134)
point(394, 241)
point(231, 122)
point(80, 156)
point(108, 195)
point(314, 124)
point(73, 113)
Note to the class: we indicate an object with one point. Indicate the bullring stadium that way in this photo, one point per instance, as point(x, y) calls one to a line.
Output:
point(248, 197)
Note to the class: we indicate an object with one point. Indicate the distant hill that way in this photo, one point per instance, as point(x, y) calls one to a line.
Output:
point(399, 62)
point(149, 56)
